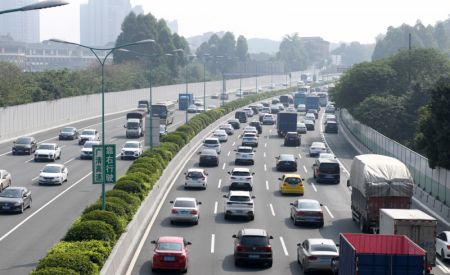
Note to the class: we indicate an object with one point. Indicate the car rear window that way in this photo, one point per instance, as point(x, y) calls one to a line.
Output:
point(308, 205)
point(240, 173)
point(195, 175)
point(239, 198)
point(245, 150)
point(254, 241)
point(293, 180)
point(210, 141)
point(331, 168)
point(323, 247)
point(170, 246)
point(183, 203)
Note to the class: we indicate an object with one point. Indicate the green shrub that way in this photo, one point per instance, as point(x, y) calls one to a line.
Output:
point(97, 251)
point(118, 209)
point(137, 168)
point(186, 129)
point(143, 177)
point(165, 154)
point(107, 217)
point(79, 263)
point(129, 209)
point(54, 271)
point(172, 147)
point(131, 187)
point(179, 138)
point(90, 230)
point(129, 198)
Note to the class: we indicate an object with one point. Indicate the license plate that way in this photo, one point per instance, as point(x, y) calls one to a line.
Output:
point(240, 211)
point(184, 212)
point(169, 258)
point(253, 256)
point(5, 207)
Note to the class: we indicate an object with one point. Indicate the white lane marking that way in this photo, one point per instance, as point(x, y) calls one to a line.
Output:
point(220, 182)
point(35, 178)
point(42, 207)
point(117, 155)
point(271, 209)
point(304, 168)
point(215, 208)
point(442, 266)
point(264, 154)
point(265, 144)
point(313, 186)
point(229, 152)
point(69, 160)
point(213, 238)
point(30, 160)
point(284, 246)
point(265, 167)
point(267, 185)
point(329, 212)
point(233, 143)
point(223, 167)
point(270, 131)
point(112, 139)
point(299, 156)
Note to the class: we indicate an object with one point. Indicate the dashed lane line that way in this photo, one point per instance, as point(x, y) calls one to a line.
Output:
point(284, 246)
point(215, 208)
point(213, 238)
point(304, 168)
point(271, 209)
point(313, 186)
point(329, 212)
point(267, 185)
point(220, 183)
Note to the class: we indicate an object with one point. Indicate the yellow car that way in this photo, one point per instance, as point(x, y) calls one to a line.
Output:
point(291, 184)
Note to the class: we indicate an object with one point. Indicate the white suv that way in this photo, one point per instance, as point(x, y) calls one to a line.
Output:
point(241, 179)
point(250, 139)
point(317, 148)
point(239, 203)
point(47, 151)
point(132, 150)
point(244, 154)
point(88, 134)
point(212, 143)
point(196, 178)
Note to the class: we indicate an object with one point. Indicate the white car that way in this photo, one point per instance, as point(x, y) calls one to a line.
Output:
point(244, 154)
point(131, 150)
point(196, 178)
point(53, 174)
point(86, 151)
point(250, 139)
point(212, 143)
point(301, 128)
point(249, 111)
point(239, 203)
point(221, 135)
point(228, 128)
point(316, 148)
point(317, 254)
point(301, 108)
point(250, 129)
point(185, 210)
point(310, 116)
point(240, 174)
point(268, 119)
point(443, 245)
point(192, 109)
point(88, 134)
point(5, 179)
point(47, 151)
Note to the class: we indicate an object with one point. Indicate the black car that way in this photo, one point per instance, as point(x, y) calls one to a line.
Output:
point(209, 157)
point(235, 123)
point(331, 127)
point(15, 199)
point(257, 125)
point(252, 246)
point(24, 145)
point(309, 125)
point(327, 170)
point(68, 133)
point(292, 139)
point(241, 115)
point(286, 162)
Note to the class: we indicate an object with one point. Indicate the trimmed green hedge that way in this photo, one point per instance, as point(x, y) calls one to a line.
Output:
point(90, 239)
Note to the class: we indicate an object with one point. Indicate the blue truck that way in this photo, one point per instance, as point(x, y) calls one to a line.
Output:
point(367, 254)
point(286, 122)
point(184, 100)
point(299, 98)
point(312, 102)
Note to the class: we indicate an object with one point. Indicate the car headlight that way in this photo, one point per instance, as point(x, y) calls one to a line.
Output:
point(17, 203)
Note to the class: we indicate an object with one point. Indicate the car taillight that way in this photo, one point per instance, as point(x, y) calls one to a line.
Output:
point(239, 248)
point(299, 213)
point(448, 246)
point(267, 248)
point(194, 212)
point(174, 211)
point(312, 258)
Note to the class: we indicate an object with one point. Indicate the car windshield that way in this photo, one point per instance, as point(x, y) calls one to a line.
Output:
point(11, 193)
point(132, 125)
point(183, 203)
point(239, 198)
point(323, 247)
point(23, 141)
point(131, 145)
point(210, 141)
point(195, 175)
point(46, 147)
point(285, 157)
point(309, 205)
point(241, 173)
point(293, 181)
point(67, 130)
point(245, 150)
point(254, 241)
point(88, 133)
point(51, 169)
point(166, 246)
point(159, 111)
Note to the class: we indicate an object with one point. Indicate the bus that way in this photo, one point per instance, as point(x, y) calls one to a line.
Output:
point(305, 89)
point(165, 111)
point(323, 99)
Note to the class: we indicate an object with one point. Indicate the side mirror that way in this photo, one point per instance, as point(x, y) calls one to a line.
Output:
point(254, 151)
point(229, 173)
point(188, 243)
point(337, 245)
point(303, 179)
point(253, 173)
point(271, 237)
point(234, 236)
point(321, 204)
point(291, 204)
point(199, 203)
point(225, 196)
point(235, 150)
point(153, 242)
point(253, 197)
point(348, 183)
point(124, 126)
point(206, 174)
point(171, 202)
point(280, 179)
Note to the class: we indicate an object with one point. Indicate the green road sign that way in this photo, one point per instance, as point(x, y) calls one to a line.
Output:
point(104, 164)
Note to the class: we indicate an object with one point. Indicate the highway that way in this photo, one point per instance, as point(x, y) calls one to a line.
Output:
point(26, 238)
point(212, 244)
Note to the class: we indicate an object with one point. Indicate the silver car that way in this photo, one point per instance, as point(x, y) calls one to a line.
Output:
point(5, 179)
point(317, 254)
point(185, 210)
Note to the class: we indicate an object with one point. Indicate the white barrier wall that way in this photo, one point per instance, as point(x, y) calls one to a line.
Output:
point(34, 117)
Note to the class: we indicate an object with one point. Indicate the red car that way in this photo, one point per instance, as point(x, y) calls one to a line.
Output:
point(170, 253)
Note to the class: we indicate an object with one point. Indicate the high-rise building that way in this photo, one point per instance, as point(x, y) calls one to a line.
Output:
point(101, 21)
point(20, 26)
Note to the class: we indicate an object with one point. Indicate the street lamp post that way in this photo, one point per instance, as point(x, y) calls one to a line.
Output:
point(102, 63)
point(204, 82)
point(256, 73)
point(187, 85)
point(37, 6)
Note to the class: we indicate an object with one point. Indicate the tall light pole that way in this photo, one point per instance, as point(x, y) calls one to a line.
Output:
point(102, 63)
point(37, 6)
point(187, 81)
point(256, 74)
point(204, 81)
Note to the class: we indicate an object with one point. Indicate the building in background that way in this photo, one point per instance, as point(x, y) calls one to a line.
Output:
point(101, 21)
point(20, 26)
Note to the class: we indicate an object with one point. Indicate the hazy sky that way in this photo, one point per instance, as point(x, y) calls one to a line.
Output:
point(334, 20)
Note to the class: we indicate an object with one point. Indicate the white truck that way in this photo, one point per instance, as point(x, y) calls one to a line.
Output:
point(135, 126)
point(415, 224)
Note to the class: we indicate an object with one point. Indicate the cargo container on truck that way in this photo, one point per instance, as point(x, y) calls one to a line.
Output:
point(365, 254)
point(286, 122)
point(417, 225)
point(312, 102)
point(377, 182)
point(185, 100)
point(135, 125)
point(299, 98)
point(286, 100)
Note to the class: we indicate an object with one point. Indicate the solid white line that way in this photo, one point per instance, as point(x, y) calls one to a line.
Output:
point(30, 160)
point(267, 185)
point(264, 154)
point(304, 168)
point(442, 266)
point(42, 207)
point(69, 160)
point(229, 152)
point(271, 209)
point(117, 155)
point(329, 212)
point(213, 237)
point(284, 246)
point(265, 144)
point(265, 167)
point(233, 143)
point(35, 178)
point(112, 139)
point(299, 156)
point(223, 167)
point(215, 208)
point(313, 186)
point(5, 153)
point(220, 182)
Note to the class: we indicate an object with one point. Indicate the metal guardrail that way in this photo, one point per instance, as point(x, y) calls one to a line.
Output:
point(436, 182)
